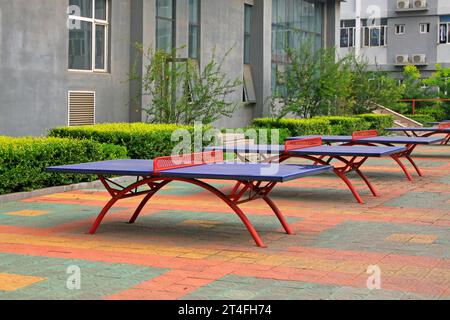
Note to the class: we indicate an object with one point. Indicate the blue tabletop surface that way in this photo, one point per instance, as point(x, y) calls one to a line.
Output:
point(223, 171)
point(343, 151)
point(391, 140)
point(420, 129)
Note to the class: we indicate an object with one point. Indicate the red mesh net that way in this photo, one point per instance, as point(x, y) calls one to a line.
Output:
point(443, 126)
point(364, 134)
point(302, 143)
point(186, 160)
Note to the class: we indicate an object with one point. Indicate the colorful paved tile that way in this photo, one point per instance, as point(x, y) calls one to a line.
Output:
point(187, 245)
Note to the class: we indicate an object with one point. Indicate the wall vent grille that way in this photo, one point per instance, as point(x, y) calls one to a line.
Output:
point(81, 108)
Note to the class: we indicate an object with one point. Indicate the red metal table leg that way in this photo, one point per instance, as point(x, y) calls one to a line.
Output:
point(400, 163)
point(279, 215)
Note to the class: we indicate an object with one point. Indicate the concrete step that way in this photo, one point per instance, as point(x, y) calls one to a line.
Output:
point(399, 119)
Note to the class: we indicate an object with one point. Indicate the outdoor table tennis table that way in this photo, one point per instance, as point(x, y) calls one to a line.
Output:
point(442, 128)
point(253, 181)
point(351, 158)
point(371, 138)
point(438, 123)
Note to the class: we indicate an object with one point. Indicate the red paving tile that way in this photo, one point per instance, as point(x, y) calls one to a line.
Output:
point(198, 259)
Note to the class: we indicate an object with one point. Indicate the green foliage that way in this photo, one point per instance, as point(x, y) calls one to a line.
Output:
point(267, 135)
point(346, 125)
point(23, 161)
point(438, 85)
point(421, 118)
point(438, 113)
point(370, 88)
point(143, 141)
point(412, 83)
point(312, 84)
point(180, 93)
point(297, 127)
point(327, 125)
point(378, 122)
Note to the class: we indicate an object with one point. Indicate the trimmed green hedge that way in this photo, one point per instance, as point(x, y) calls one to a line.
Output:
point(438, 113)
point(23, 161)
point(143, 141)
point(343, 126)
point(378, 122)
point(328, 125)
point(297, 127)
point(421, 118)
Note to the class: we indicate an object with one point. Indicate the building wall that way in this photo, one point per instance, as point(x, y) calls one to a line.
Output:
point(412, 42)
point(34, 76)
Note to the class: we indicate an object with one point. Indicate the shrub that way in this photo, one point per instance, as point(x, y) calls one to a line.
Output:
point(437, 112)
point(143, 141)
point(23, 161)
point(378, 121)
point(421, 118)
point(343, 126)
point(297, 127)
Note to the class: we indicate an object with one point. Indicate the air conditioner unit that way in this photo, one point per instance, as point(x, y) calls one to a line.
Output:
point(401, 59)
point(419, 58)
point(402, 4)
point(420, 3)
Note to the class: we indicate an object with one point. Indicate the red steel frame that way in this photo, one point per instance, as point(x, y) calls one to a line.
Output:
point(357, 136)
point(439, 130)
point(348, 165)
point(243, 192)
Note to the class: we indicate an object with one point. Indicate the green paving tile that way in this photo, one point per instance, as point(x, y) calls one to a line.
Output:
point(98, 279)
point(371, 236)
point(445, 179)
point(234, 287)
point(188, 226)
point(422, 200)
point(57, 214)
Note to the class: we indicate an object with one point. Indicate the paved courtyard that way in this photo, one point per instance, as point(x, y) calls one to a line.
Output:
point(188, 245)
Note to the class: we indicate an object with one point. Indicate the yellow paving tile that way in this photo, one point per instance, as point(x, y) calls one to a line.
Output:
point(28, 213)
point(399, 237)
point(424, 239)
point(12, 282)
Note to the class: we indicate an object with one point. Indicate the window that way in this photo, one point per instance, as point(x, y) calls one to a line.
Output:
point(294, 23)
point(348, 33)
point(444, 32)
point(88, 35)
point(194, 29)
point(424, 28)
point(247, 32)
point(375, 35)
point(399, 29)
point(165, 25)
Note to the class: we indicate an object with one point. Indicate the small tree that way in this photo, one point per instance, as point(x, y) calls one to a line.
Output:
point(179, 93)
point(312, 84)
point(371, 88)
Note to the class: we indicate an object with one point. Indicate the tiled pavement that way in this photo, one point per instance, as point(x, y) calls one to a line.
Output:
point(188, 245)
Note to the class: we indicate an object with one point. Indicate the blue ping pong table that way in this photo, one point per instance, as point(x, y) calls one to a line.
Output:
point(371, 138)
point(438, 123)
point(442, 128)
point(349, 158)
point(253, 181)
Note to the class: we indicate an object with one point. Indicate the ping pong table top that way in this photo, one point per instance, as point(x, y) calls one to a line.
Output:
point(379, 139)
point(438, 123)
point(343, 151)
point(430, 129)
point(219, 171)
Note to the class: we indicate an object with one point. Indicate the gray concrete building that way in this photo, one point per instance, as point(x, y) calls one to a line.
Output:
point(66, 62)
point(394, 33)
